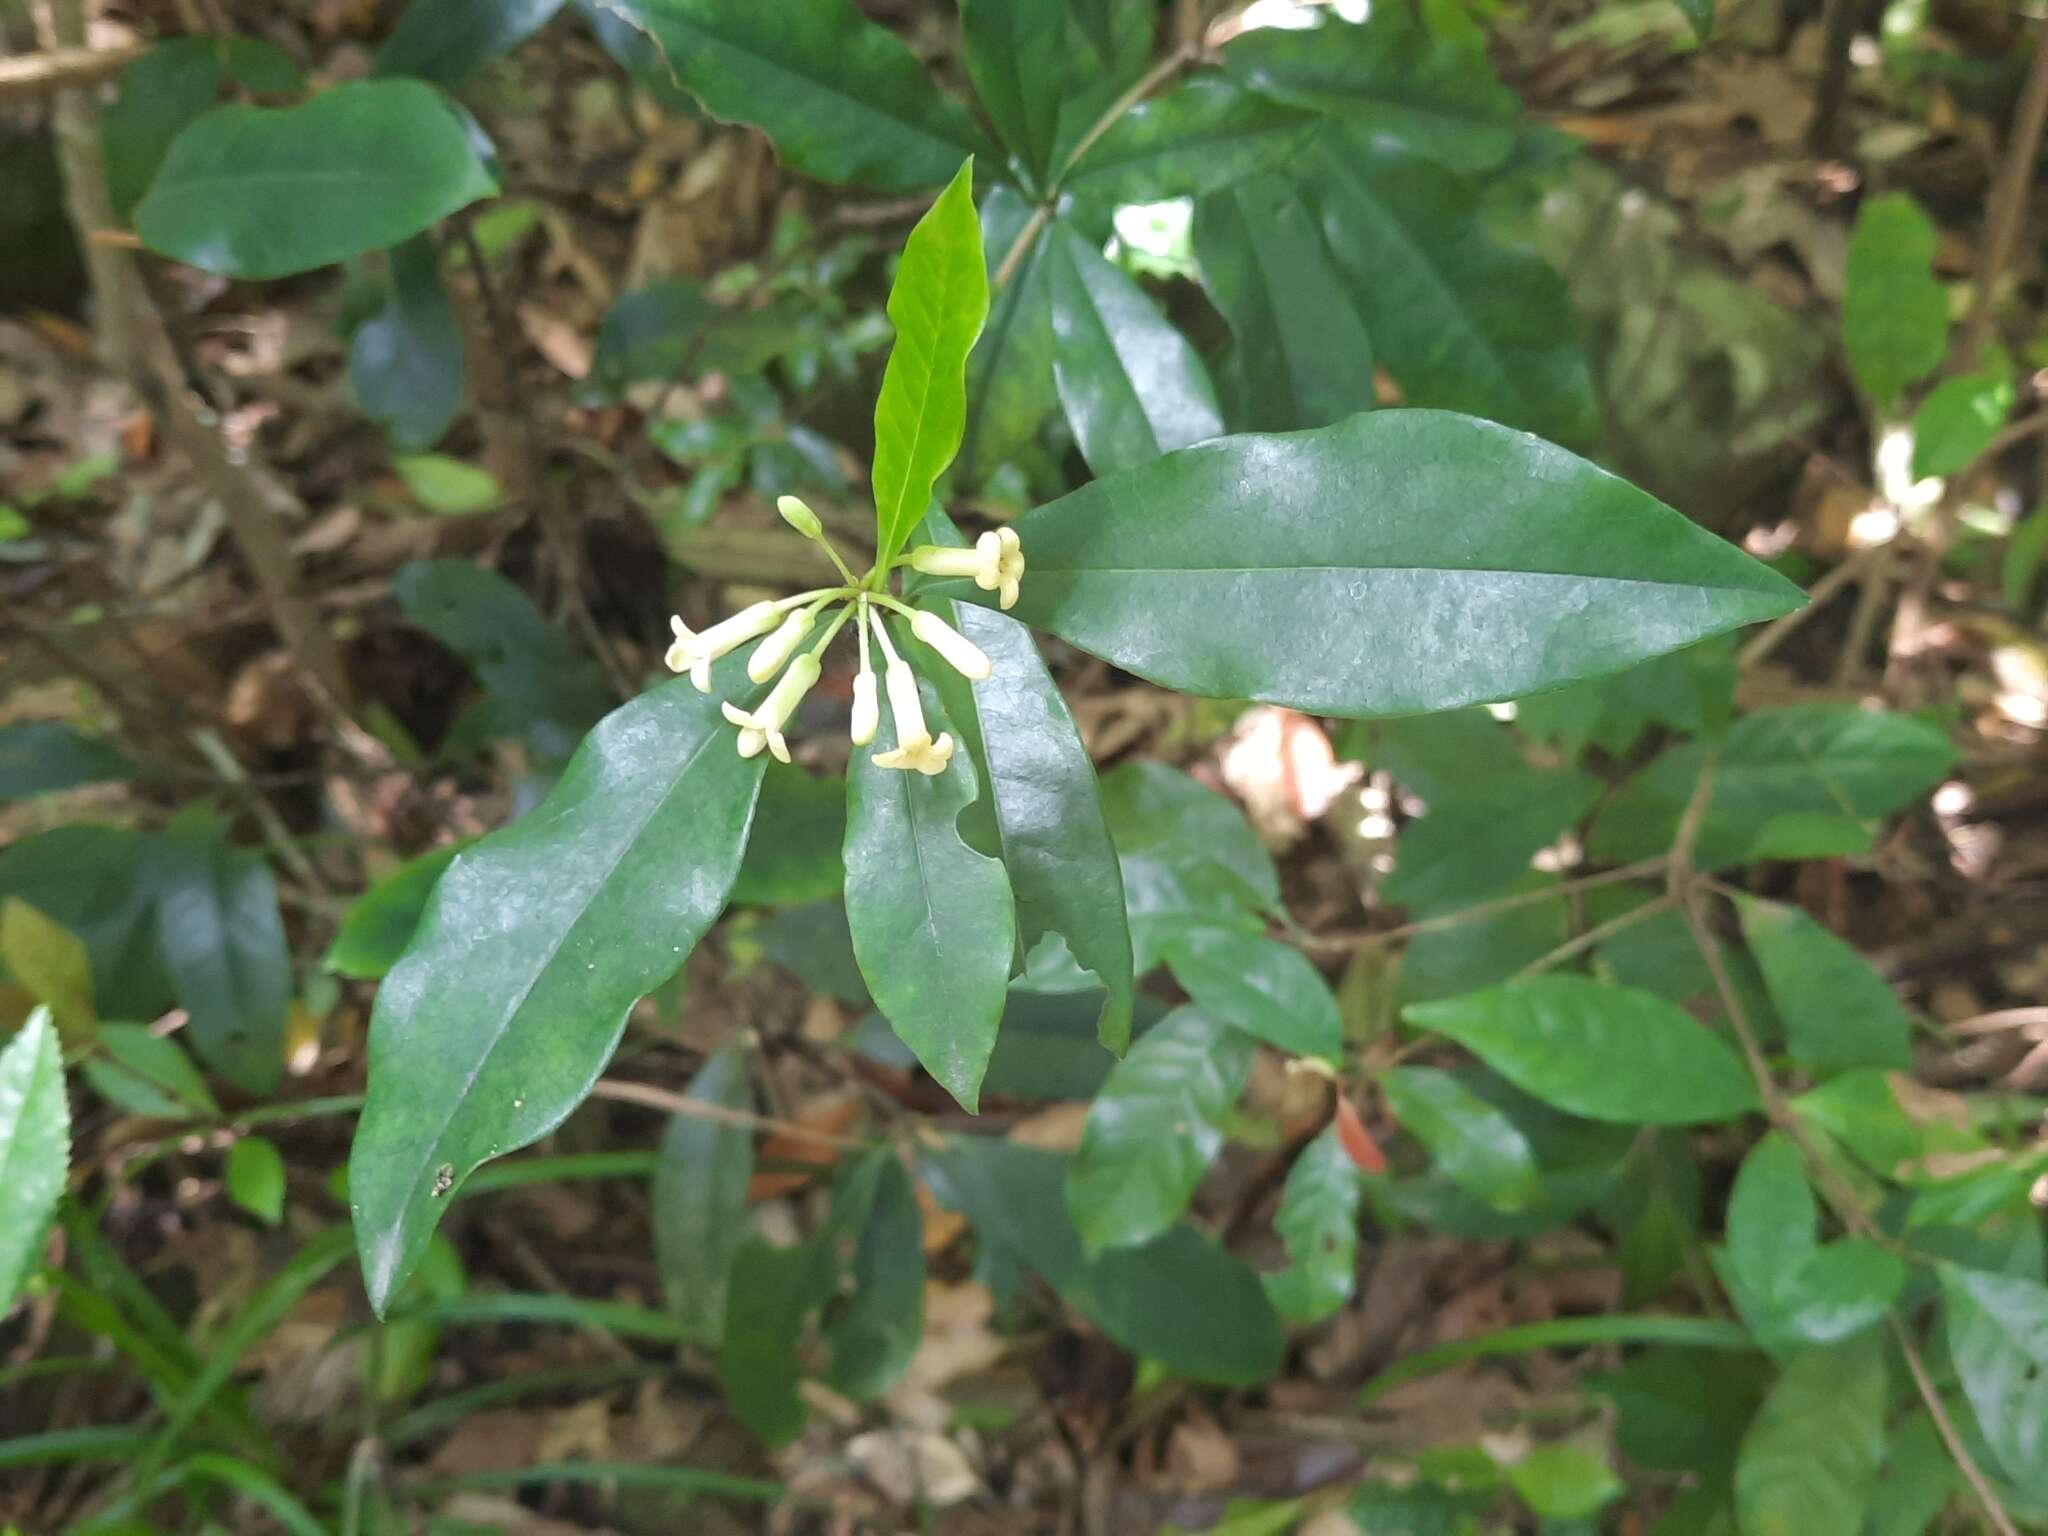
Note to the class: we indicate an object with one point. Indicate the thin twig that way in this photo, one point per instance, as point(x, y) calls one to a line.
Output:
point(1598, 934)
point(2007, 206)
point(1838, 32)
point(60, 69)
point(1775, 633)
point(651, 1097)
point(275, 832)
point(1637, 871)
point(1938, 1411)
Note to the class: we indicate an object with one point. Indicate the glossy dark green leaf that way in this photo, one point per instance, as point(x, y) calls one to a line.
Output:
point(842, 99)
point(1485, 950)
point(536, 944)
point(447, 41)
point(1264, 987)
point(254, 1177)
point(1203, 136)
point(1606, 1052)
point(1475, 843)
point(1776, 774)
point(405, 362)
point(937, 304)
point(376, 929)
point(264, 192)
point(1684, 1410)
point(1894, 312)
point(1154, 1128)
point(700, 1199)
point(1958, 420)
point(223, 947)
point(773, 1291)
point(1179, 1299)
point(148, 1073)
point(35, 1147)
point(1837, 1011)
point(1460, 320)
point(1393, 77)
point(1998, 1337)
point(1809, 1463)
point(1438, 560)
point(1020, 60)
point(1476, 1146)
point(169, 86)
point(1010, 388)
point(934, 926)
point(1131, 385)
point(801, 862)
point(100, 883)
point(38, 756)
point(878, 1329)
point(650, 333)
point(1186, 853)
point(1318, 1221)
point(1046, 813)
point(1303, 350)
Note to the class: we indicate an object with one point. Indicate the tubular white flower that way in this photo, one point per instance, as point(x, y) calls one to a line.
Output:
point(767, 660)
point(694, 651)
point(961, 653)
point(926, 757)
point(1009, 565)
point(867, 713)
point(979, 562)
point(762, 727)
point(906, 709)
point(799, 516)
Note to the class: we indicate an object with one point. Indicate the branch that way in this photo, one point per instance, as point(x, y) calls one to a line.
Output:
point(2008, 202)
point(62, 69)
point(650, 1097)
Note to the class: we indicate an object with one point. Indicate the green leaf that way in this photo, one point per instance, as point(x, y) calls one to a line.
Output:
point(1154, 1128)
point(1302, 348)
point(1777, 773)
point(223, 947)
point(1392, 77)
point(1998, 1337)
point(937, 303)
point(35, 1148)
point(2025, 551)
point(255, 1178)
point(1681, 1410)
point(1206, 135)
point(1010, 389)
point(1700, 13)
point(1179, 1299)
point(447, 41)
point(49, 962)
point(38, 756)
point(148, 1074)
point(650, 333)
point(1262, 986)
point(376, 929)
point(801, 862)
point(1809, 1463)
point(448, 487)
point(1039, 788)
point(843, 100)
point(1475, 1145)
point(1837, 1011)
point(1605, 1052)
point(1485, 950)
point(99, 882)
point(700, 1199)
point(1894, 312)
point(264, 192)
point(1565, 1482)
point(1129, 382)
point(1475, 843)
point(1021, 62)
point(405, 362)
point(536, 944)
point(1460, 321)
point(1445, 560)
point(882, 1322)
point(1958, 420)
point(1318, 1222)
point(934, 925)
point(1184, 844)
point(773, 1291)
point(1919, 1477)
point(169, 86)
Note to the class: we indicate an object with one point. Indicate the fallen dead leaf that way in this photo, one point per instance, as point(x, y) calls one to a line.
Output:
point(914, 1466)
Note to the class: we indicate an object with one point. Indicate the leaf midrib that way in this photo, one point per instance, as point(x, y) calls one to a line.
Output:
point(1041, 569)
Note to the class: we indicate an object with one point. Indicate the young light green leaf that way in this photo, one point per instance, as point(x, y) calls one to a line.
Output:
point(1778, 776)
point(1550, 570)
point(1894, 312)
point(1565, 1481)
point(448, 487)
point(1302, 349)
point(700, 1199)
point(937, 304)
point(255, 1178)
point(1958, 420)
point(377, 927)
point(405, 362)
point(774, 1290)
point(1475, 1145)
point(1264, 987)
point(1998, 1337)
point(1809, 1463)
point(1318, 1221)
point(843, 100)
point(536, 944)
point(35, 1147)
point(882, 1322)
point(1154, 1128)
point(1047, 814)
point(222, 941)
point(37, 756)
point(1131, 385)
point(1205, 135)
point(1605, 1052)
point(1837, 1011)
point(267, 191)
point(934, 925)
point(447, 41)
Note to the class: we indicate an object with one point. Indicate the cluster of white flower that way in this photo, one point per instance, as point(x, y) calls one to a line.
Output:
point(994, 564)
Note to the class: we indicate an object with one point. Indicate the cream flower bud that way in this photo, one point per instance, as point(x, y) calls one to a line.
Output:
point(695, 651)
point(906, 709)
point(977, 563)
point(684, 650)
point(867, 712)
point(767, 660)
point(800, 517)
point(1009, 565)
point(762, 727)
point(926, 757)
point(962, 654)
